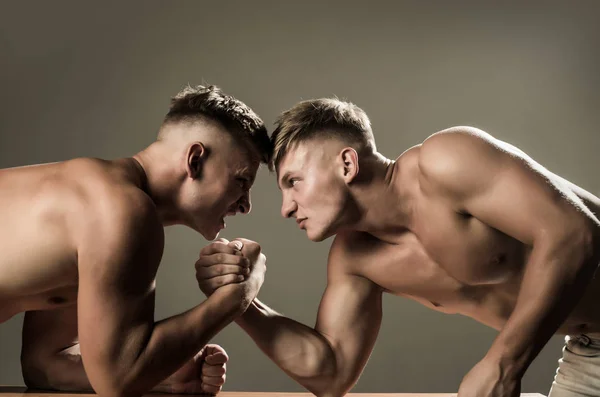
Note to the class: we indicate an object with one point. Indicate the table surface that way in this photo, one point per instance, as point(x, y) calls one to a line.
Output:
point(21, 391)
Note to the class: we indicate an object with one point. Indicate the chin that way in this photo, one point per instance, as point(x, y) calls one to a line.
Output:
point(209, 234)
point(212, 236)
point(318, 236)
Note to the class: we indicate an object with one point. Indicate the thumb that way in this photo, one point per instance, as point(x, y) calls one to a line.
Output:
point(237, 244)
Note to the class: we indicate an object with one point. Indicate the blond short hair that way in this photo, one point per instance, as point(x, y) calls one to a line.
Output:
point(320, 118)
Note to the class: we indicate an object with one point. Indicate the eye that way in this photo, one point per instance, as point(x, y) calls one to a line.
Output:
point(292, 181)
point(243, 182)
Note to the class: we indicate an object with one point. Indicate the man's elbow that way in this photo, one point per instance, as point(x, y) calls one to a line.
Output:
point(121, 392)
point(117, 383)
point(333, 384)
point(112, 388)
point(334, 388)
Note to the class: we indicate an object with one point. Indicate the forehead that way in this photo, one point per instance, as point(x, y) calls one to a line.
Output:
point(304, 156)
point(294, 158)
point(242, 161)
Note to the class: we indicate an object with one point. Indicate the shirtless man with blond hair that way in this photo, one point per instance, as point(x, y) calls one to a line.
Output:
point(82, 240)
point(462, 223)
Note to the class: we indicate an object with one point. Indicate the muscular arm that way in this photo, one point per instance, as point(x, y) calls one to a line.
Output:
point(329, 358)
point(124, 351)
point(509, 192)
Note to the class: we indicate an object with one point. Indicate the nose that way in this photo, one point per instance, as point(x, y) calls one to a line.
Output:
point(245, 204)
point(288, 207)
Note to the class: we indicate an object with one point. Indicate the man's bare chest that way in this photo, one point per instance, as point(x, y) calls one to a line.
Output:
point(466, 248)
point(444, 284)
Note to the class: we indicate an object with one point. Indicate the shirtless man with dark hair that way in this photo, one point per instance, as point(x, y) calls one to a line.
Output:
point(82, 240)
point(462, 223)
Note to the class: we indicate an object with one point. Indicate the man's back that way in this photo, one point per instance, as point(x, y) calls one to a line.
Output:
point(43, 211)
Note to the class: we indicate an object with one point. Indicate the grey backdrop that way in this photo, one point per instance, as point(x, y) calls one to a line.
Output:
point(82, 79)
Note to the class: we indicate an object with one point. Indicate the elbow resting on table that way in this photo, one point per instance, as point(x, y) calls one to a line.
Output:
point(332, 385)
point(335, 389)
point(118, 389)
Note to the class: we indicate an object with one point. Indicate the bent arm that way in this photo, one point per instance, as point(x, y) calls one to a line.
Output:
point(124, 351)
point(329, 358)
point(518, 197)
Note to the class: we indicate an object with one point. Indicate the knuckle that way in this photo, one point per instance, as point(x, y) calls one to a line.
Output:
point(204, 249)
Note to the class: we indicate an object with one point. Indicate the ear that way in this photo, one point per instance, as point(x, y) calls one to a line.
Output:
point(349, 158)
point(194, 159)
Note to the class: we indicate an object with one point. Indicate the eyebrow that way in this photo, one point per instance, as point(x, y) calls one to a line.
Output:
point(250, 178)
point(283, 178)
point(246, 174)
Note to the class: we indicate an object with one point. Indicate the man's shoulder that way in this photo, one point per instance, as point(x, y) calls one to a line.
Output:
point(114, 213)
point(449, 148)
point(449, 158)
point(122, 238)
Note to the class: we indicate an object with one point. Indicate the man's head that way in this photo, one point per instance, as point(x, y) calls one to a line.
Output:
point(216, 144)
point(316, 147)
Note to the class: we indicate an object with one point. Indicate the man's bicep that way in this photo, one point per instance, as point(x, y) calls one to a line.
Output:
point(349, 318)
point(108, 315)
point(524, 203)
point(116, 297)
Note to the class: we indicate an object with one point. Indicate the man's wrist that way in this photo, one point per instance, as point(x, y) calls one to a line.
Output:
point(510, 364)
point(246, 317)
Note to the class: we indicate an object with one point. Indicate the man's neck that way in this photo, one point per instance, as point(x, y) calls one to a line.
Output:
point(382, 201)
point(159, 182)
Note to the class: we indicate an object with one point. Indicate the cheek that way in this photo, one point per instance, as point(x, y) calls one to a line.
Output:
point(320, 196)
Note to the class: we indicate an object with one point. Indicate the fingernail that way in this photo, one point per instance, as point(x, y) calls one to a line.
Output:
point(238, 244)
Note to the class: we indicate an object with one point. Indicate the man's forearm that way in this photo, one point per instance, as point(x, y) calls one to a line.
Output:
point(300, 351)
point(174, 341)
point(555, 278)
point(65, 372)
